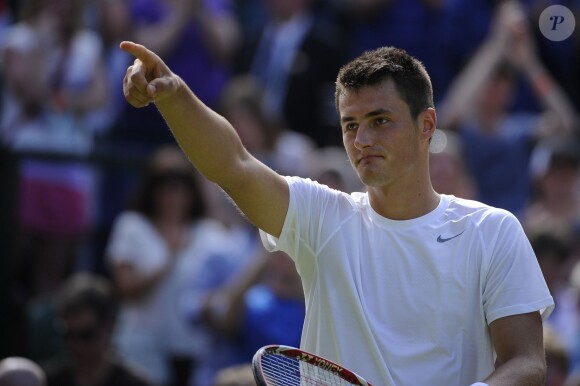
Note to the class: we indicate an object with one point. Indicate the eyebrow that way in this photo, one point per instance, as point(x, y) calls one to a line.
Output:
point(368, 115)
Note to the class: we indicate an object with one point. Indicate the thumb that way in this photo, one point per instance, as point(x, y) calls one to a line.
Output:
point(162, 87)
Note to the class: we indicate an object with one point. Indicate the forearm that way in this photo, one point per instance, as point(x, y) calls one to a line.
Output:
point(227, 306)
point(162, 37)
point(518, 371)
point(208, 139)
point(221, 35)
point(550, 94)
point(470, 82)
point(518, 343)
point(132, 285)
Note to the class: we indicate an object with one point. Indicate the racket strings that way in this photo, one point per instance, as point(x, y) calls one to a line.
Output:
point(286, 371)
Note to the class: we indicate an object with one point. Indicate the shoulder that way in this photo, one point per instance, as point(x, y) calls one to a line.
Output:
point(130, 217)
point(493, 229)
point(302, 189)
point(130, 226)
point(480, 214)
point(306, 184)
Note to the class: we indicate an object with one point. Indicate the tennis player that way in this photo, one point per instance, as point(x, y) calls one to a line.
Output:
point(403, 285)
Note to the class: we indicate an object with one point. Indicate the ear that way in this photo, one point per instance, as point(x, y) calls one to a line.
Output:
point(428, 123)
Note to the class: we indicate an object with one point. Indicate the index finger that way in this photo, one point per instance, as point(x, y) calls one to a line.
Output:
point(139, 51)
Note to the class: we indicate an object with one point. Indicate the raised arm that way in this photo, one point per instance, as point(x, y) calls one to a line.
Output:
point(509, 41)
point(558, 111)
point(458, 104)
point(225, 307)
point(219, 30)
point(208, 139)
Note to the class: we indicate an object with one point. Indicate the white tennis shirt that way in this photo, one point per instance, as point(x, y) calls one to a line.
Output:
point(406, 303)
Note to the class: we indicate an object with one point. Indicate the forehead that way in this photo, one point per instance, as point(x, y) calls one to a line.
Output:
point(382, 96)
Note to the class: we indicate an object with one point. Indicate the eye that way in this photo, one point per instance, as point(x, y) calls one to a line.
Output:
point(382, 121)
point(350, 126)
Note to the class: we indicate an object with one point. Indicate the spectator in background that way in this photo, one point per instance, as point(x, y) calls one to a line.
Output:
point(219, 268)
point(24, 93)
point(153, 250)
point(295, 56)
point(555, 168)
point(234, 252)
point(553, 252)
point(562, 58)
point(265, 136)
point(86, 309)
point(453, 28)
point(557, 358)
point(18, 371)
point(113, 24)
point(252, 16)
point(195, 37)
point(23, 101)
point(498, 142)
point(330, 166)
point(55, 81)
point(263, 304)
point(117, 179)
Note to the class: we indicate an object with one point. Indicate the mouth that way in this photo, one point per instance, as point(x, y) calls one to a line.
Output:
point(367, 158)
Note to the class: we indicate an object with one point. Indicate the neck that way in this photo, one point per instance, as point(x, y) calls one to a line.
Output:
point(403, 204)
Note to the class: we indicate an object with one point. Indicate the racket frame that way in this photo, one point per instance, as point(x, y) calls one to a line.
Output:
point(306, 357)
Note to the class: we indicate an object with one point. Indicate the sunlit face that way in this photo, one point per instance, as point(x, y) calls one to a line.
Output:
point(381, 138)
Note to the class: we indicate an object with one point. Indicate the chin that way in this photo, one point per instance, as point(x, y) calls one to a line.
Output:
point(373, 180)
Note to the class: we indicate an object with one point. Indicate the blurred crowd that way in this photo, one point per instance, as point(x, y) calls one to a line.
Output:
point(121, 265)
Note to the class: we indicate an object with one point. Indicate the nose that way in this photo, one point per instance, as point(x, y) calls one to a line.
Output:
point(364, 137)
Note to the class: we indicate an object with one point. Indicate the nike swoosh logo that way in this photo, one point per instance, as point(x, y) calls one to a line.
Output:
point(442, 240)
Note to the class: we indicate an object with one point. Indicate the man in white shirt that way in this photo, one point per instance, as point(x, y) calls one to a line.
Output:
point(403, 285)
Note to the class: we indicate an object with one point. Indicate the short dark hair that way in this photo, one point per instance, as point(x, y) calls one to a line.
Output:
point(88, 292)
point(153, 177)
point(375, 66)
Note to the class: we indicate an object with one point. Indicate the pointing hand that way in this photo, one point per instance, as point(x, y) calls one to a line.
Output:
point(148, 79)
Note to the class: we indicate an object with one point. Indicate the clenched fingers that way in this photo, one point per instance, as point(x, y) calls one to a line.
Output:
point(136, 87)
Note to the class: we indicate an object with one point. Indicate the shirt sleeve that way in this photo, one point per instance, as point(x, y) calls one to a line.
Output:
point(513, 282)
point(313, 215)
point(125, 235)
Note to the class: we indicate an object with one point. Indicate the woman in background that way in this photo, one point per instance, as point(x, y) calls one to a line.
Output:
point(154, 247)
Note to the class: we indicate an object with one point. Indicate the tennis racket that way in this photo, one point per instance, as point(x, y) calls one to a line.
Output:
point(276, 365)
